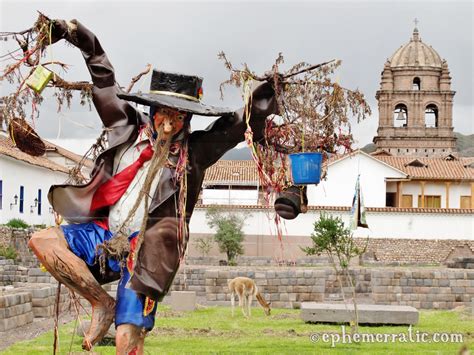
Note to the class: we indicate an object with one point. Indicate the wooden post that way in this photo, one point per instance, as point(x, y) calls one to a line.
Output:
point(399, 193)
point(422, 194)
point(472, 194)
point(447, 183)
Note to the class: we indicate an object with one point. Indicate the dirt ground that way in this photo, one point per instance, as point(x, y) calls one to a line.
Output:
point(32, 330)
point(43, 325)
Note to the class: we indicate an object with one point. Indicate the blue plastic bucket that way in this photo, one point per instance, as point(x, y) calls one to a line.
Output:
point(306, 168)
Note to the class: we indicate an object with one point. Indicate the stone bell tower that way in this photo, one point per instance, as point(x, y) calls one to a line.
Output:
point(415, 103)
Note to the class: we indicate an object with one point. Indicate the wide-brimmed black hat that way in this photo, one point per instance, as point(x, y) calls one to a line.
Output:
point(178, 91)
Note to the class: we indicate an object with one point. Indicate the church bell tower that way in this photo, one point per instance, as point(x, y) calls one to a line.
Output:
point(415, 103)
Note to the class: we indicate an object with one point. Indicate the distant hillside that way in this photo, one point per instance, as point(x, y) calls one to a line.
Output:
point(369, 148)
point(238, 154)
point(464, 145)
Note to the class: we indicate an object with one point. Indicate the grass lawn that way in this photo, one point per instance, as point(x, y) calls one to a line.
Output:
point(212, 330)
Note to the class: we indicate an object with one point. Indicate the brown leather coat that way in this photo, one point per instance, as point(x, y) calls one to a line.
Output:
point(122, 121)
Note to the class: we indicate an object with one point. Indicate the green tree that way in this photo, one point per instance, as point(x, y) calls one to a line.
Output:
point(333, 238)
point(229, 235)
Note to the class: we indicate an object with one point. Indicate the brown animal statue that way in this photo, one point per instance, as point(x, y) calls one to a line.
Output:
point(246, 289)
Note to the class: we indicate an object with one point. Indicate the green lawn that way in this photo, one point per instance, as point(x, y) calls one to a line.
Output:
point(213, 330)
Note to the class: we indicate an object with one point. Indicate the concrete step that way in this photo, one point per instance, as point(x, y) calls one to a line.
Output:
point(313, 312)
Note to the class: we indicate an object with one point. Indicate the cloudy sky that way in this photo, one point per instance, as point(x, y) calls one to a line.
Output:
point(186, 36)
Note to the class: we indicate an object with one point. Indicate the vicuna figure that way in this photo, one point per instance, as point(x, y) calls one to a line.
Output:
point(245, 289)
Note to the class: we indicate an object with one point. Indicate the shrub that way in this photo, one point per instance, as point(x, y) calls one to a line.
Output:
point(229, 235)
point(8, 252)
point(204, 245)
point(17, 223)
point(332, 237)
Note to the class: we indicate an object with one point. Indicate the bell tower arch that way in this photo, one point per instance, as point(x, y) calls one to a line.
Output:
point(415, 103)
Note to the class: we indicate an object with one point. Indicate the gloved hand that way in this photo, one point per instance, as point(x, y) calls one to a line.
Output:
point(61, 29)
point(291, 202)
point(264, 101)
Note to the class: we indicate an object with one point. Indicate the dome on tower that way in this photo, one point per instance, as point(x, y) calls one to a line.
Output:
point(416, 54)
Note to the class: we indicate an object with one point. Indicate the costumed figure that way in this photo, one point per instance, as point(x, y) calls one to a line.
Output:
point(133, 214)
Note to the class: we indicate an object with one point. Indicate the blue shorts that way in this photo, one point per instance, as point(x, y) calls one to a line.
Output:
point(131, 307)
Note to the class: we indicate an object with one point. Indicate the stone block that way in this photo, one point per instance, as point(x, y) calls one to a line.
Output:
point(427, 282)
point(271, 289)
point(36, 272)
point(281, 274)
point(212, 289)
point(16, 310)
point(15, 322)
point(224, 274)
point(304, 297)
point(273, 297)
point(302, 281)
point(211, 274)
point(44, 302)
point(299, 274)
point(210, 282)
point(459, 290)
point(300, 289)
point(318, 289)
point(274, 282)
point(183, 300)
point(211, 296)
point(43, 312)
point(368, 314)
point(426, 305)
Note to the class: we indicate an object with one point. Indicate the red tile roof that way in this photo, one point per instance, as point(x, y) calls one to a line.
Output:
point(433, 169)
point(68, 154)
point(7, 148)
point(244, 172)
point(238, 172)
point(343, 208)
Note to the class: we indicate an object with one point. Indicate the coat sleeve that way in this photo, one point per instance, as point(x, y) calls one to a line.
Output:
point(112, 110)
point(209, 145)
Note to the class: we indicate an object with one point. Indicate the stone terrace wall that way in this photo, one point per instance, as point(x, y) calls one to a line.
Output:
point(417, 251)
point(11, 273)
point(438, 289)
point(18, 238)
point(433, 288)
point(258, 261)
point(380, 251)
point(19, 306)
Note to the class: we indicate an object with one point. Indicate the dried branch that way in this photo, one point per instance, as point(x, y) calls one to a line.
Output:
point(314, 115)
point(138, 77)
point(70, 85)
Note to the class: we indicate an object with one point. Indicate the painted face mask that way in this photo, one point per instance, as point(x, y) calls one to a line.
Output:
point(171, 120)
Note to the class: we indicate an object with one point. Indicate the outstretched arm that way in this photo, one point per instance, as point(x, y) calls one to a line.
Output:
point(227, 131)
point(112, 110)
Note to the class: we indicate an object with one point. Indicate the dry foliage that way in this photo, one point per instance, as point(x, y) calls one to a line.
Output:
point(22, 105)
point(314, 114)
point(23, 61)
point(314, 109)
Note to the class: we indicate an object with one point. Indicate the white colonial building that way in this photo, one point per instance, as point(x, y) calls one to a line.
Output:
point(25, 181)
